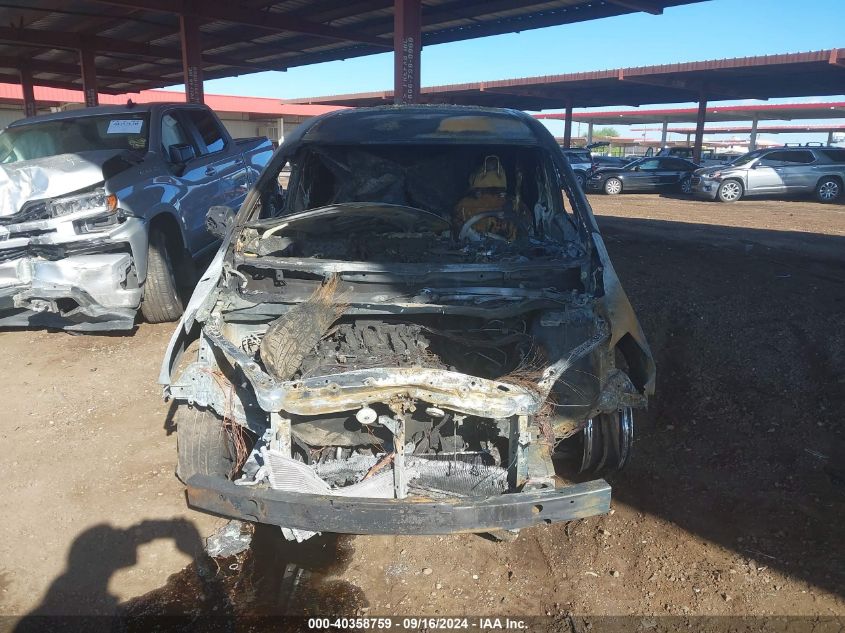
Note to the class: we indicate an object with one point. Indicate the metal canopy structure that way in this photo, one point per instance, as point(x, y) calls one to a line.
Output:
point(118, 46)
point(762, 129)
point(753, 113)
point(815, 73)
point(761, 112)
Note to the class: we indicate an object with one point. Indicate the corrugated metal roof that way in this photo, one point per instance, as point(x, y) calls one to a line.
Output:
point(813, 73)
point(763, 111)
point(128, 32)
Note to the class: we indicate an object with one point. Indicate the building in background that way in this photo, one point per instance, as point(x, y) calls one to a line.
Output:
point(242, 116)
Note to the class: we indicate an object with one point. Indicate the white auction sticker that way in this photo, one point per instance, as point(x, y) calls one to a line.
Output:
point(125, 126)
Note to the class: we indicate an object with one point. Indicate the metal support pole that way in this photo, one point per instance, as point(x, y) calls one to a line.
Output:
point(281, 138)
point(29, 106)
point(89, 78)
point(664, 132)
point(699, 128)
point(189, 30)
point(589, 133)
point(752, 142)
point(567, 128)
point(407, 20)
point(830, 137)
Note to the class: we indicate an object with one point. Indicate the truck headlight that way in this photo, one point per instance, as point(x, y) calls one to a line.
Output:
point(95, 200)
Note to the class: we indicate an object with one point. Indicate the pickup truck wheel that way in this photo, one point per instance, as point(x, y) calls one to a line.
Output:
point(162, 301)
point(613, 186)
point(203, 446)
point(729, 191)
point(828, 189)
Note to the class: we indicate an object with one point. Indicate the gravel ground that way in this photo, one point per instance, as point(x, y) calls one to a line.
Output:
point(732, 505)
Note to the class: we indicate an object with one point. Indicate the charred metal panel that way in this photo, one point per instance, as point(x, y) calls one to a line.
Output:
point(393, 516)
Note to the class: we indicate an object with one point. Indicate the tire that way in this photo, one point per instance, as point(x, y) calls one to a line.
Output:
point(828, 189)
point(686, 185)
point(581, 179)
point(612, 186)
point(162, 301)
point(730, 191)
point(203, 446)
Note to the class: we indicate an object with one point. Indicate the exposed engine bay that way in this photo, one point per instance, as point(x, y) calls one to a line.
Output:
point(425, 325)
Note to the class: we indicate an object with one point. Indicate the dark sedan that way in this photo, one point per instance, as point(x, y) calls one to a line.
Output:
point(645, 174)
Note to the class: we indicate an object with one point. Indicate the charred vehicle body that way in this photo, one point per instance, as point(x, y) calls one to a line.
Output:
point(422, 334)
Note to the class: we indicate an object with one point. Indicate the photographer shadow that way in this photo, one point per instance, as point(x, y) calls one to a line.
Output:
point(79, 599)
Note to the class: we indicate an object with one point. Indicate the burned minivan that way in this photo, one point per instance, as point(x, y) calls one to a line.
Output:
point(420, 333)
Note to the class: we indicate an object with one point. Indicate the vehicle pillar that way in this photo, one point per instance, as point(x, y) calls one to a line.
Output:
point(699, 128)
point(752, 142)
point(89, 78)
point(567, 128)
point(29, 105)
point(189, 31)
point(407, 21)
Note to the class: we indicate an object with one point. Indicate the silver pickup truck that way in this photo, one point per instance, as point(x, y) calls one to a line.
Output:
point(103, 211)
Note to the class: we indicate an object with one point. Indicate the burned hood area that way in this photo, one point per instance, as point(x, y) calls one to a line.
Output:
point(426, 311)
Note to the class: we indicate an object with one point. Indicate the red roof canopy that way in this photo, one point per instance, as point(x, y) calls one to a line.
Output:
point(259, 106)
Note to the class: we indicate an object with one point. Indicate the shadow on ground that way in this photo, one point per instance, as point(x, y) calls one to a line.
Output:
point(743, 444)
point(79, 599)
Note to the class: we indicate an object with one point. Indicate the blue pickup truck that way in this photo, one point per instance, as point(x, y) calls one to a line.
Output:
point(103, 211)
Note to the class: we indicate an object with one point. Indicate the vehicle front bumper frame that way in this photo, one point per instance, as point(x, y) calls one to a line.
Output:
point(345, 515)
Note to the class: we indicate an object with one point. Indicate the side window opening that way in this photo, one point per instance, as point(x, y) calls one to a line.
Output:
point(209, 130)
point(172, 133)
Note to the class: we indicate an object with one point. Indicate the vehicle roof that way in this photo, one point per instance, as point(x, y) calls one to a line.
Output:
point(424, 124)
point(76, 113)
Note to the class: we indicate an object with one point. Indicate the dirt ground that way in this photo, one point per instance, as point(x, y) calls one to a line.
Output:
point(733, 502)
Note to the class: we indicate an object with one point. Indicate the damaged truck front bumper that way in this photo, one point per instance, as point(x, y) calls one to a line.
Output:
point(350, 515)
point(74, 282)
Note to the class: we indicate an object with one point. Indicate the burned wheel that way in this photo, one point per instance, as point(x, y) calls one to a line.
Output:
point(607, 442)
point(205, 447)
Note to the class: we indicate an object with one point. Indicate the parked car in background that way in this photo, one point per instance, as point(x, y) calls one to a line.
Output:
point(582, 163)
point(775, 171)
point(708, 158)
point(644, 174)
point(103, 210)
point(364, 339)
point(600, 160)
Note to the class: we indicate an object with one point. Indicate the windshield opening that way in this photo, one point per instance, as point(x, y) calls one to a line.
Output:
point(71, 136)
point(432, 178)
point(747, 158)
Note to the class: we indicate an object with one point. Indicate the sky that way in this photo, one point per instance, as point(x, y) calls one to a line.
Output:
point(707, 30)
